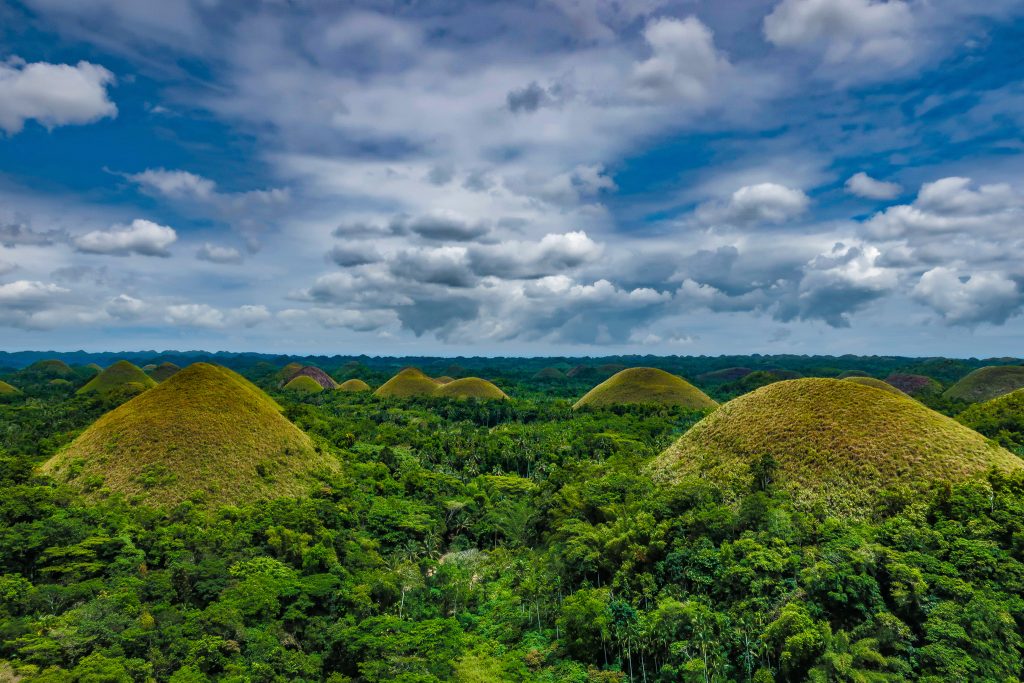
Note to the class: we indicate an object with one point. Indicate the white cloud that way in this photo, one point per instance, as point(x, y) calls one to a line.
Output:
point(553, 254)
point(53, 94)
point(218, 254)
point(969, 299)
point(175, 184)
point(204, 315)
point(28, 294)
point(126, 307)
point(142, 237)
point(443, 226)
point(684, 63)
point(863, 185)
point(753, 204)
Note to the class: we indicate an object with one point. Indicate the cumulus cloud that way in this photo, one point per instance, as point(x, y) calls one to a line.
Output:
point(442, 226)
point(28, 294)
point(969, 299)
point(877, 33)
point(142, 237)
point(20, 234)
point(204, 315)
point(553, 254)
point(447, 265)
point(684, 63)
point(753, 204)
point(53, 94)
point(126, 307)
point(353, 254)
point(218, 254)
point(175, 184)
point(863, 185)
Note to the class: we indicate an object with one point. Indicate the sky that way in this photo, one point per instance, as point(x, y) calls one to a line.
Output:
point(578, 177)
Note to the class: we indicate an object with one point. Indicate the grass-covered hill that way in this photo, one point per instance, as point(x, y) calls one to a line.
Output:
point(408, 382)
point(122, 376)
point(287, 372)
point(443, 379)
point(918, 386)
point(987, 383)
point(830, 441)
point(50, 369)
point(1001, 418)
point(317, 375)
point(7, 390)
point(724, 375)
point(304, 384)
point(206, 430)
point(873, 382)
point(471, 387)
point(550, 374)
point(646, 385)
point(164, 371)
point(353, 385)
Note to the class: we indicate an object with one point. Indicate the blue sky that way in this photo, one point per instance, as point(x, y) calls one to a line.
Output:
point(556, 176)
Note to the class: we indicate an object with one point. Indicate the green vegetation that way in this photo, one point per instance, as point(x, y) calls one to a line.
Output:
point(985, 384)
point(471, 387)
point(289, 371)
point(408, 382)
point(7, 390)
point(121, 377)
point(646, 385)
point(51, 369)
point(354, 385)
point(553, 374)
point(206, 432)
point(872, 382)
point(1000, 418)
point(830, 441)
point(164, 372)
point(917, 386)
point(304, 384)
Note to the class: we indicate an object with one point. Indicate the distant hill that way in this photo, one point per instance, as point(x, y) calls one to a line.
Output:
point(51, 369)
point(122, 376)
point(550, 374)
point(354, 385)
point(987, 383)
point(471, 387)
point(303, 384)
point(164, 372)
point(646, 385)
point(408, 382)
point(918, 386)
point(872, 382)
point(724, 375)
point(834, 442)
point(206, 430)
point(317, 375)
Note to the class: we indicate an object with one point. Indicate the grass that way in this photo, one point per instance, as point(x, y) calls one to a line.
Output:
point(443, 379)
point(164, 372)
point(985, 384)
point(408, 382)
point(289, 371)
point(51, 368)
point(304, 384)
point(1001, 418)
point(872, 382)
point(471, 387)
point(354, 385)
point(914, 385)
point(646, 385)
point(833, 442)
point(7, 390)
point(121, 376)
point(206, 431)
point(550, 374)
point(317, 375)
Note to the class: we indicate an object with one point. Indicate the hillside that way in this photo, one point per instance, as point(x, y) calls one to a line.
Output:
point(317, 375)
point(914, 385)
point(471, 387)
point(205, 430)
point(552, 374)
point(646, 385)
point(121, 376)
point(7, 390)
point(304, 384)
point(408, 382)
point(51, 368)
point(987, 383)
point(833, 441)
point(289, 371)
point(353, 385)
point(164, 372)
point(1001, 418)
point(872, 382)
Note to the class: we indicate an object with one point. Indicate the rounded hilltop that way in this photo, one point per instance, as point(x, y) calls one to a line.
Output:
point(303, 384)
point(353, 385)
point(51, 368)
point(918, 386)
point(1000, 418)
point(872, 382)
point(408, 382)
point(471, 387)
point(121, 376)
point(646, 385)
point(317, 375)
point(552, 374)
point(987, 383)
point(831, 441)
point(205, 431)
point(164, 371)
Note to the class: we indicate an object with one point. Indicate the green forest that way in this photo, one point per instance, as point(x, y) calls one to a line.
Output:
point(518, 536)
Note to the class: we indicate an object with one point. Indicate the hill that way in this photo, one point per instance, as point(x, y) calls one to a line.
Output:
point(288, 371)
point(7, 390)
point(872, 382)
point(551, 374)
point(51, 368)
point(164, 372)
point(1001, 418)
point(914, 385)
point(121, 376)
point(646, 385)
point(724, 375)
point(408, 382)
point(205, 430)
point(830, 441)
point(317, 375)
point(443, 379)
point(354, 385)
point(304, 384)
point(471, 387)
point(987, 383)
point(852, 373)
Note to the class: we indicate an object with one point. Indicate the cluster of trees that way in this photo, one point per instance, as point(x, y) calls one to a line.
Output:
point(513, 541)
